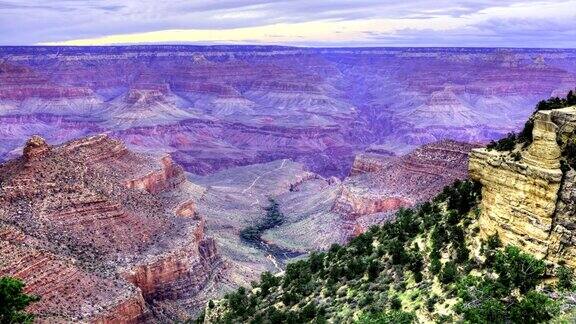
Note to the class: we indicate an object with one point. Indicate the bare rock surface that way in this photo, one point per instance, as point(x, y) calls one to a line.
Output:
point(528, 200)
point(380, 184)
point(103, 234)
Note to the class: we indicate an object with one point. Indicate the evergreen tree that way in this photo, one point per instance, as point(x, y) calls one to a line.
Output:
point(13, 301)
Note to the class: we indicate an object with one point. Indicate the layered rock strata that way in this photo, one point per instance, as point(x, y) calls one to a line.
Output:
point(382, 184)
point(217, 107)
point(103, 234)
point(527, 199)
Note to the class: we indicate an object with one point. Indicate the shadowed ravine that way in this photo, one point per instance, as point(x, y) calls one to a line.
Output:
point(253, 236)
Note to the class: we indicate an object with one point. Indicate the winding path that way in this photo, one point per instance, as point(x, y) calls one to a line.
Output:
point(265, 173)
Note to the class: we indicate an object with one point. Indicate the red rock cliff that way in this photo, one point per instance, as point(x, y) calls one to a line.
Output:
point(97, 231)
point(385, 184)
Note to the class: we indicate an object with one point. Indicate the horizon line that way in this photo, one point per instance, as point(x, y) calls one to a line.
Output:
point(280, 46)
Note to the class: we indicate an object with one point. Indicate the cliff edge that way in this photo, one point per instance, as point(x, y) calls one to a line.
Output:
point(528, 192)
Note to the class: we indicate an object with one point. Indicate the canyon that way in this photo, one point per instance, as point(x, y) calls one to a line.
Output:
point(105, 234)
point(216, 107)
point(129, 173)
point(318, 211)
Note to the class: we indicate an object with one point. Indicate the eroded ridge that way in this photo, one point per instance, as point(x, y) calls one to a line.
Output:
point(104, 234)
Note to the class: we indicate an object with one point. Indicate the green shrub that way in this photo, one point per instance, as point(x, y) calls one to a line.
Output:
point(565, 278)
point(516, 269)
point(392, 317)
point(449, 272)
point(431, 303)
point(267, 282)
point(435, 266)
point(504, 144)
point(490, 310)
point(13, 301)
point(395, 303)
point(533, 308)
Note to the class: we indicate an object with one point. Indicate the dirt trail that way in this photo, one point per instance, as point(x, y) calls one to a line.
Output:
point(263, 174)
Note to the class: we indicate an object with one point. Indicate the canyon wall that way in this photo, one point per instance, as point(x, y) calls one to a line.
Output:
point(104, 234)
point(217, 107)
point(381, 184)
point(527, 197)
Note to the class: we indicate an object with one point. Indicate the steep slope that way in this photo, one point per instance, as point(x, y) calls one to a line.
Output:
point(104, 234)
point(528, 190)
point(428, 266)
point(381, 184)
point(500, 250)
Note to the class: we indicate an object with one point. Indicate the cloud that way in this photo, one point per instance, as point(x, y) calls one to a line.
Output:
point(290, 22)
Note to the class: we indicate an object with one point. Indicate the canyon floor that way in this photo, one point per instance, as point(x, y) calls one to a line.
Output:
point(317, 211)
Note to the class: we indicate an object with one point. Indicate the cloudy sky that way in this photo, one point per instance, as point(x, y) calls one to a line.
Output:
point(490, 23)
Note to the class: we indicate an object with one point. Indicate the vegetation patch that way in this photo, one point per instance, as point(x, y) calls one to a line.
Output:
point(13, 301)
point(273, 218)
point(428, 265)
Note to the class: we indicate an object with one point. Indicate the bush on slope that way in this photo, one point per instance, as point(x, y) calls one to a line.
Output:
point(428, 265)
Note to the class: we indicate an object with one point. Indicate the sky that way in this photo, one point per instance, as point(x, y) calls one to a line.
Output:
point(321, 23)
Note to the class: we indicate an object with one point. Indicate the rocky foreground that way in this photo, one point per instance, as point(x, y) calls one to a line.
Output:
point(103, 234)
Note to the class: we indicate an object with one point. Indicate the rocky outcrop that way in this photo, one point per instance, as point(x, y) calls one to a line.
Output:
point(353, 202)
point(35, 147)
point(384, 184)
point(366, 163)
point(526, 197)
point(168, 177)
point(69, 292)
point(103, 234)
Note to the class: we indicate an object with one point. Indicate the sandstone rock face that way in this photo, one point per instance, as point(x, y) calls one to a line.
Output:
point(103, 234)
point(529, 202)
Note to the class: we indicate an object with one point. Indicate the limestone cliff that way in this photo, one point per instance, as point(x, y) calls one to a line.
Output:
point(527, 199)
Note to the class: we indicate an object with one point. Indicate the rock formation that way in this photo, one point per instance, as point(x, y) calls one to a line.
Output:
point(380, 184)
point(103, 234)
point(217, 107)
point(527, 197)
